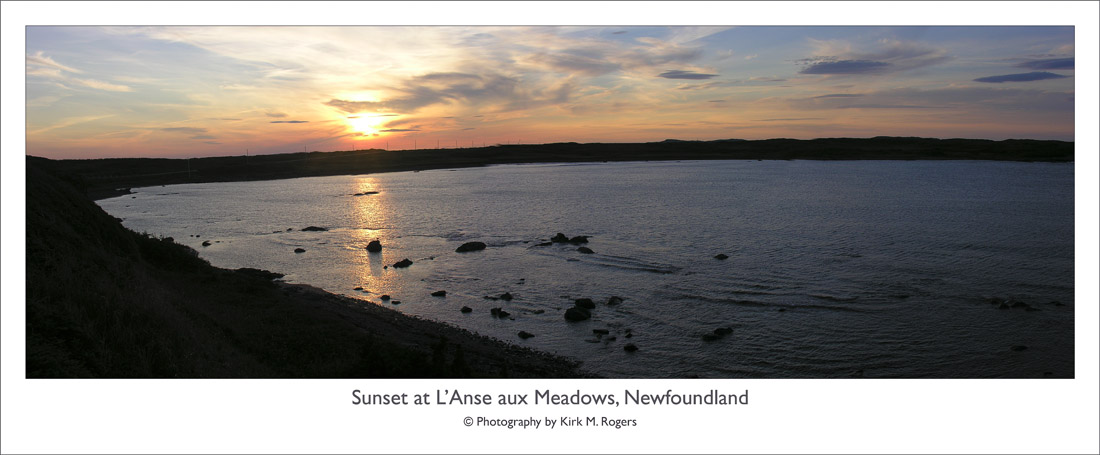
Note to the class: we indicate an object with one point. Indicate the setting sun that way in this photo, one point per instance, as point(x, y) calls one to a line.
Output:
point(363, 124)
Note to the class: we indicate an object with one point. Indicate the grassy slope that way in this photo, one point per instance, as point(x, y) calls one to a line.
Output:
point(103, 301)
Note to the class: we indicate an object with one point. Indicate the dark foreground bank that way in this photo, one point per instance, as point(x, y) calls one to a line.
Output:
point(103, 177)
point(103, 301)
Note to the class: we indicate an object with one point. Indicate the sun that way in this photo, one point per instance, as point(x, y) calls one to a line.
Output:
point(363, 124)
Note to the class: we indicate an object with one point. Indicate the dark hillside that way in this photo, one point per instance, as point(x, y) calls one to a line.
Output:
point(103, 301)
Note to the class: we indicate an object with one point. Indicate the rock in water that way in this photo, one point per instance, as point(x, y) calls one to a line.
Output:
point(403, 263)
point(525, 335)
point(1019, 348)
point(470, 246)
point(710, 337)
point(385, 297)
point(721, 257)
point(577, 314)
point(579, 239)
point(587, 304)
point(585, 250)
point(374, 246)
point(630, 347)
point(467, 309)
point(314, 228)
point(614, 300)
point(559, 238)
point(507, 297)
point(439, 294)
point(207, 243)
point(723, 331)
point(299, 250)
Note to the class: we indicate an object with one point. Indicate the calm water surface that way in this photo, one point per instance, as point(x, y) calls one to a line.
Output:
point(835, 269)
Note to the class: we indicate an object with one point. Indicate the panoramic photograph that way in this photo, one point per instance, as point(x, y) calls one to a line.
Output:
point(658, 202)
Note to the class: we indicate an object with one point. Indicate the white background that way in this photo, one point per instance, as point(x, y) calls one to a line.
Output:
point(784, 416)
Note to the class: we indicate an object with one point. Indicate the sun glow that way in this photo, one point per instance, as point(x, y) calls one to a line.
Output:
point(363, 124)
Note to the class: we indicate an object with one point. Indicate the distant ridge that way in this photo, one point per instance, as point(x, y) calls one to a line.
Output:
point(102, 177)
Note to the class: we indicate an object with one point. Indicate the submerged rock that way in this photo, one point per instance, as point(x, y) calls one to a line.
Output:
point(559, 238)
point(403, 263)
point(299, 250)
point(470, 246)
point(525, 335)
point(723, 331)
point(614, 300)
point(374, 246)
point(507, 296)
point(544, 244)
point(721, 257)
point(314, 229)
point(207, 243)
point(385, 297)
point(630, 347)
point(601, 331)
point(1019, 348)
point(358, 288)
point(585, 250)
point(466, 309)
point(395, 302)
point(577, 314)
point(439, 294)
point(579, 239)
point(710, 337)
point(499, 313)
point(585, 303)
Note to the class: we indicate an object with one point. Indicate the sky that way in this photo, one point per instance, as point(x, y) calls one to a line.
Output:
point(175, 91)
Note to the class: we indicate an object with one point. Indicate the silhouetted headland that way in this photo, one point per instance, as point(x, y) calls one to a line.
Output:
point(104, 301)
point(102, 177)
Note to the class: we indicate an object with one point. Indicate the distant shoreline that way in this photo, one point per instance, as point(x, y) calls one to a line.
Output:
point(109, 177)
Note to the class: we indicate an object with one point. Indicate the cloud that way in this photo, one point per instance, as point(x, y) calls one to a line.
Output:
point(184, 130)
point(42, 66)
point(1048, 64)
point(203, 136)
point(846, 67)
point(399, 130)
point(1022, 77)
point(680, 74)
point(953, 98)
point(891, 56)
point(575, 64)
point(275, 114)
point(839, 95)
point(492, 91)
point(620, 32)
point(290, 121)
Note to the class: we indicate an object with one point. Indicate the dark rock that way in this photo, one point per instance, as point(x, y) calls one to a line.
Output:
point(525, 335)
point(559, 238)
point(577, 314)
point(169, 239)
point(585, 303)
point(538, 311)
point(207, 243)
point(507, 297)
point(289, 229)
point(612, 338)
point(628, 335)
point(500, 313)
point(470, 246)
point(385, 297)
point(782, 310)
point(723, 331)
point(1019, 348)
point(439, 294)
point(467, 309)
point(579, 239)
point(544, 244)
point(601, 331)
point(489, 297)
point(374, 246)
point(395, 302)
point(299, 250)
point(630, 347)
point(710, 337)
point(585, 250)
point(1056, 303)
point(365, 193)
point(262, 274)
point(403, 263)
point(721, 257)
point(614, 300)
point(313, 229)
point(1004, 306)
point(358, 288)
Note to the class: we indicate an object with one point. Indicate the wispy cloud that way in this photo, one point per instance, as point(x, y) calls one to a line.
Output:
point(290, 121)
point(846, 67)
point(275, 114)
point(42, 66)
point(837, 57)
point(1048, 64)
point(1022, 77)
point(681, 74)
